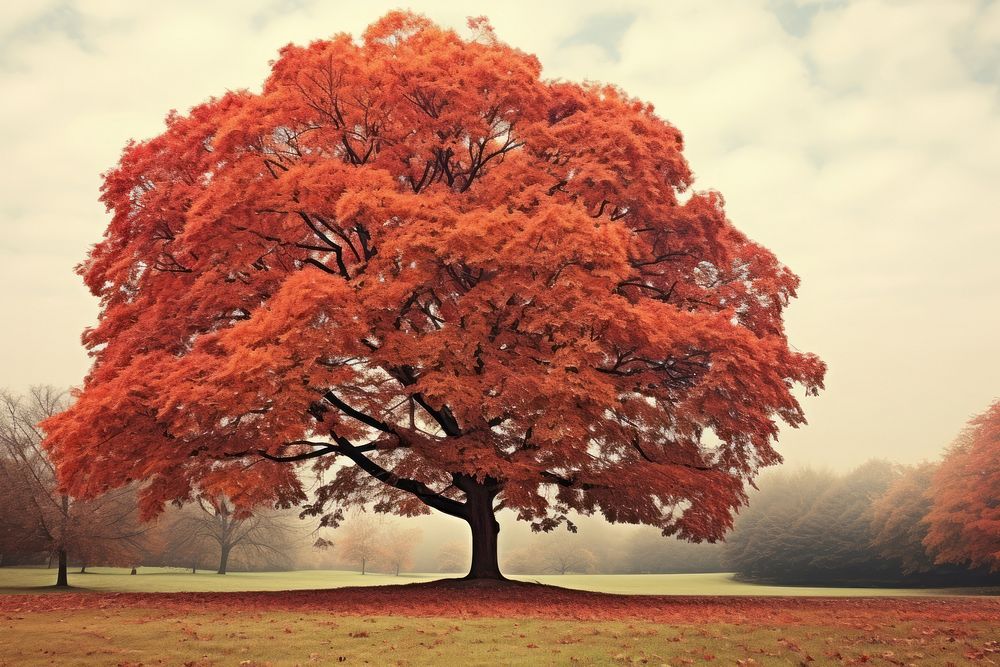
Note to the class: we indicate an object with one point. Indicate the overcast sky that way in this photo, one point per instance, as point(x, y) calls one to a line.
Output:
point(860, 141)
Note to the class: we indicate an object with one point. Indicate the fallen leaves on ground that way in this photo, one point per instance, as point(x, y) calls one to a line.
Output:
point(536, 601)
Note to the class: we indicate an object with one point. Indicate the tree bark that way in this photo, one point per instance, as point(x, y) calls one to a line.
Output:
point(223, 560)
point(62, 577)
point(485, 529)
point(362, 567)
point(83, 569)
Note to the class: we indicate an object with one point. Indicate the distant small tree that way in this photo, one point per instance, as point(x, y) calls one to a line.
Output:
point(212, 523)
point(362, 540)
point(964, 519)
point(562, 555)
point(453, 556)
point(398, 548)
point(897, 519)
point(554, 554)
point(523, 560)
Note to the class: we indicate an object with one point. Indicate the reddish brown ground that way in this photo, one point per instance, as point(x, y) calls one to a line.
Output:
point(534, 601)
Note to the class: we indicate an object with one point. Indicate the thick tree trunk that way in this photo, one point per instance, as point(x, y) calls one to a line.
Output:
point(62, 577)
point(223, 560)
point(83, 569)
point(485, 530)
point(134, 571)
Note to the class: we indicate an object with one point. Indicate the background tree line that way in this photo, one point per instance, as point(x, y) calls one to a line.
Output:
point(40, 524)
point(882, 523)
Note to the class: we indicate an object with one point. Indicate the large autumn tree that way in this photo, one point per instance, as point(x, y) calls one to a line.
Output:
point(450, 282)
point(964, 516)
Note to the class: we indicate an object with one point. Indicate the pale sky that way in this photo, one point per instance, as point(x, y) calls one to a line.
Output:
point(859, 140)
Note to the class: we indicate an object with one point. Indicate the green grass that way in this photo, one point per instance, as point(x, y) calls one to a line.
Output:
point(170, 580)
point(149, 579)
point(721, 583)
point(136, 636)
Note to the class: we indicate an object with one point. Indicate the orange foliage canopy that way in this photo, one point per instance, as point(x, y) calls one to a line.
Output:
point(414, 257)
point(964, 518)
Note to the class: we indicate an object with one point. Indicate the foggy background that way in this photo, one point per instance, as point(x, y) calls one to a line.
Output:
point(857, 140)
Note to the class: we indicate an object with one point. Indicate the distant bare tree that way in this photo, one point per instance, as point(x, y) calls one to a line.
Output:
point(400, 543)
point(562, 555)
point(524, 560)
point(362, 540)
point(104, 530)
point(454, 556)
point(211, 524)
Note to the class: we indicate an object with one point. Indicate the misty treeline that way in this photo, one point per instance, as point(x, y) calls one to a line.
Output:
point(599, 548)
point(868, 526)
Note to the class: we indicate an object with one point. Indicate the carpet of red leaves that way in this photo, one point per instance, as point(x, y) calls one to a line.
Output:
point(535, 601)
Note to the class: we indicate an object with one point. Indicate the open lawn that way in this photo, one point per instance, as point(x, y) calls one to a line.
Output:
point(452, 624)
point(170, 580)
point(165, 580)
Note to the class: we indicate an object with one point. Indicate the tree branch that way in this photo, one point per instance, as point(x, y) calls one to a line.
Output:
point(426, 495)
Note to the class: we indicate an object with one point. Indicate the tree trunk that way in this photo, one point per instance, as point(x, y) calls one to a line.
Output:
point(485, 530)
point(194, 569)
point(362, 566)
point(134, 571)
point(83, 569)
point(223, 560)
point(62, 578)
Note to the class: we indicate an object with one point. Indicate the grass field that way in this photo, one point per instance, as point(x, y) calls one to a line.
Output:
point(24, 580)
point(171, 617)
point(137, 637)
point(515, 625)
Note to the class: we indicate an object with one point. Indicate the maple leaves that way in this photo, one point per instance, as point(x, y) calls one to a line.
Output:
point(415, 256)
